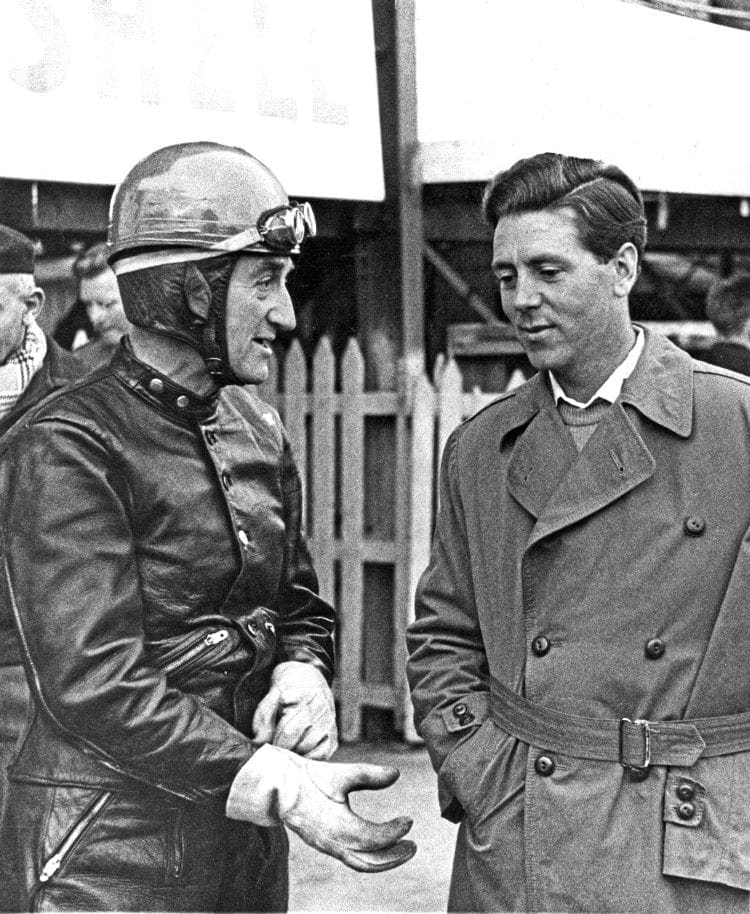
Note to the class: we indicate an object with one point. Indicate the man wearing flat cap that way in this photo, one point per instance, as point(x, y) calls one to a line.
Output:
point(31, 366)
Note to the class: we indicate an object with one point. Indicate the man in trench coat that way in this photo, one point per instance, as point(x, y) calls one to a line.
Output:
point(578, 661)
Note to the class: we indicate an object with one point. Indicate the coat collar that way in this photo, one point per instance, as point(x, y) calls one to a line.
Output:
point(660, 388)
point(557, 485)
point(159, 390)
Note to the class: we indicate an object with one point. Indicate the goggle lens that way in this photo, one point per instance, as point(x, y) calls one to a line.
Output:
point(286, 227)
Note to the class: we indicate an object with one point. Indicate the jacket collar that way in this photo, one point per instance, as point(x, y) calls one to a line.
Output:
point(660, 388)
point(159, 390)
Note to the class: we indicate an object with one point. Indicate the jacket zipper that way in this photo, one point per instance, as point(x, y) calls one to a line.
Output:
point(54, 863)
point(193, 654)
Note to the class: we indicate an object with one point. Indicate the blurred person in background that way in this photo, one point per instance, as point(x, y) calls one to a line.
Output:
point(728, 309)
point(31, 366)
point(99, 293)
point(178, 652)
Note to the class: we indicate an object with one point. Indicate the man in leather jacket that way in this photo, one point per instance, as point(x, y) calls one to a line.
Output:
point(177, 650)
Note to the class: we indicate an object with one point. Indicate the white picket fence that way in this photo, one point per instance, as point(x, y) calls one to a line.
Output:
point(327, 427)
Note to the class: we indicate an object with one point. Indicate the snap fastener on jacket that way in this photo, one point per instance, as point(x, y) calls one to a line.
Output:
point(183, 402)
point(694, 525)
point(459, 710)
point(686, 811)
point(655, 648)
point(544, 766)
point(540, 645)
point(466, 719)
point(685, 791)
point(156, 385)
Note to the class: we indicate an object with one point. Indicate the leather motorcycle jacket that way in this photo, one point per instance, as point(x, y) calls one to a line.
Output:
point(155, 566)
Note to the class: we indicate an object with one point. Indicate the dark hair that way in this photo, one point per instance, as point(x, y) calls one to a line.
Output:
point(91, 262)
point(608, 207)
point(728, 303)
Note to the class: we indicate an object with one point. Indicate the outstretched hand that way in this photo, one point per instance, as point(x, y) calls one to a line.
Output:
point(312, 799)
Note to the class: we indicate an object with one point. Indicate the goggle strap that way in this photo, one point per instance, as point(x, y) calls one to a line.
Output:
point(244, 239)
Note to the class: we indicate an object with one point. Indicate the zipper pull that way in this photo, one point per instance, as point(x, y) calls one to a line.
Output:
point(51, 867)
point(216, 637)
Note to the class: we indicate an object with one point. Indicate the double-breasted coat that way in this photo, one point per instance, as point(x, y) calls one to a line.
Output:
point(591, 587)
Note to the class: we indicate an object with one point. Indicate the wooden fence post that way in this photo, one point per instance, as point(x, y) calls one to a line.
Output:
point(351, 609)
point(419, 526)
point(450, 403)
point(323, 468)
point(294, 406)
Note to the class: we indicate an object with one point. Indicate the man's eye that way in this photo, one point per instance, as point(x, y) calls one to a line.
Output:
point(505, 280)
point(549, 272)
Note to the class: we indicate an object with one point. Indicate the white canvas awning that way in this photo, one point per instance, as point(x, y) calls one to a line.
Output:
point(660, 95)
point(86, 89)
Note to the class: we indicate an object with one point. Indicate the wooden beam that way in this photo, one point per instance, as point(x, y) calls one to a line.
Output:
point(410, 192)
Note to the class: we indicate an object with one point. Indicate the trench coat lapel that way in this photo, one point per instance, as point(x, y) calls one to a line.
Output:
point(541, 458)
point(557, 485)
point(614, 461)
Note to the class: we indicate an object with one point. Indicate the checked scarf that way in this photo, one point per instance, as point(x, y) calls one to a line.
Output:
point(20, 367)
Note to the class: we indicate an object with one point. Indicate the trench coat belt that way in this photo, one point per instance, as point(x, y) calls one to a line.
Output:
point(632, 743)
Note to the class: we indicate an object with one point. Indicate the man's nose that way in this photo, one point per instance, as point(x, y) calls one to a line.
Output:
point(282, 314)
point(526, 293)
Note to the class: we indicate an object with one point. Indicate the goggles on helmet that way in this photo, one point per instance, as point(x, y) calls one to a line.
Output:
point(284, 228)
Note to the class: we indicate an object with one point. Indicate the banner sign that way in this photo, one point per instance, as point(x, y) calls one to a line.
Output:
point(88, 87)
point(660, 95)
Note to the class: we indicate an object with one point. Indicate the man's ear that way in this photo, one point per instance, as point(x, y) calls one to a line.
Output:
point(34, 303)
point(197, 293)
point(625, 263)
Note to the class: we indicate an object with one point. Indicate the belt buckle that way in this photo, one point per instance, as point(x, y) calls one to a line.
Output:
point(637, 772)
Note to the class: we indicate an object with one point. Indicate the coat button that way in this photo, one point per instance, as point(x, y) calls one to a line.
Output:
point(540, 645)
point(226, 479)
point(466, 719)
point(544, 766)
point(460, 709)
point(685, 792)
point(686, 811)
point(655, 648)
point(182, 402)
point(694, 525)
point(156, 385)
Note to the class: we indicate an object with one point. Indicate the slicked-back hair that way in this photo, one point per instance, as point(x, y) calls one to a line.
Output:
point(607, 206)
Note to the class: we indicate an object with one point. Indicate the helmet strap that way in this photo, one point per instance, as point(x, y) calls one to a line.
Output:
point(207, 303)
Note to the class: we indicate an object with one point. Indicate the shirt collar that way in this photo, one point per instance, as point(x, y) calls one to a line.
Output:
point(612, 387)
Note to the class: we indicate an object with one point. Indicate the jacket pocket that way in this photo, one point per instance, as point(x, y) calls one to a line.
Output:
point(196, 651)
point(73, 836)
point(707, 821)
point(473, 772)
